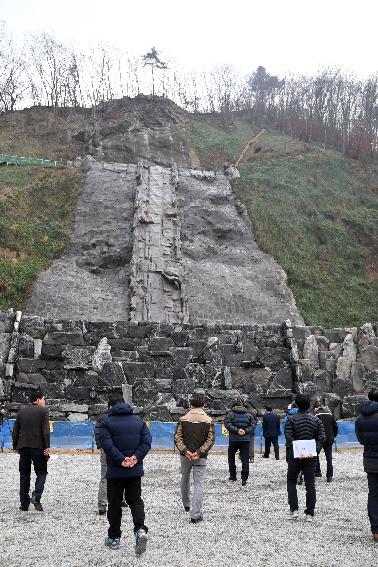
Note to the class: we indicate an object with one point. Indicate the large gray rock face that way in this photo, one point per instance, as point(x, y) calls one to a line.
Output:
point(227, 277)
point(91, 280)
point(154, 244)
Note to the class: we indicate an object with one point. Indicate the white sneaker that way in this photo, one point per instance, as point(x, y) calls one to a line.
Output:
point(309, 518)
point(293, 515)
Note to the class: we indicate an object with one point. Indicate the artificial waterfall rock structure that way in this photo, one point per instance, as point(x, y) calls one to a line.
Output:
point(156, 288)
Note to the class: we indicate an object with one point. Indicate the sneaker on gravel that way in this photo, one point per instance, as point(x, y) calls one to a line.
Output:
point(232, 479)
point(24, 508)
point(293, 515)
point(102, 511)
point(329, 479)
point(140, 541)
point(318, 475)
point(36, 503)
point(113, 543)
point(187, 508)
point(309, 518)
point(244, 481)
point(196, 520)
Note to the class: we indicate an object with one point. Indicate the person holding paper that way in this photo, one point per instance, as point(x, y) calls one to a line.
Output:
point(305, 437)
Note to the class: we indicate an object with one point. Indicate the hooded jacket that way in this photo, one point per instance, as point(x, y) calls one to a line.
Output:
point(329, 423)
point(240, 418)
point(123, 434)
point(367, 434)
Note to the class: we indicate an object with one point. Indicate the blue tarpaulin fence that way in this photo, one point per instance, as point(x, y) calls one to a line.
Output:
point(66, 435)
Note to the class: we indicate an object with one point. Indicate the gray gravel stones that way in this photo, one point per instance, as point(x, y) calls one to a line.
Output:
point(241, 527)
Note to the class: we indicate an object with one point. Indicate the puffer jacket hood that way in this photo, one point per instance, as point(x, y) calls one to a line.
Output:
point(121, 409)
point(239, 409)
point(368, 407)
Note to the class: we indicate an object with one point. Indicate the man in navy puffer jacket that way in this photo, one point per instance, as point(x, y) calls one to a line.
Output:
point(367, 434)
point(126, 440)
point(240, 423)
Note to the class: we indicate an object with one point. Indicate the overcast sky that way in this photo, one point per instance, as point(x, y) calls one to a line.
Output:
point(282, 35)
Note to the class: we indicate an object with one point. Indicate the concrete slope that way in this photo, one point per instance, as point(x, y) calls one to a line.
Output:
point(91, 280)
point(154, 244)
point(227, 277)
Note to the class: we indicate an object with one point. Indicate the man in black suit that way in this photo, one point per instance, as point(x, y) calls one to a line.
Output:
point(31, 438)
point(271, 431)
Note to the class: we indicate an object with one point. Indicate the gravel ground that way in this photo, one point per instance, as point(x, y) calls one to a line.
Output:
point(242, 526)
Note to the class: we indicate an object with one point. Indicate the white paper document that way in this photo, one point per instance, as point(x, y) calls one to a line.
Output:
point(304, 449)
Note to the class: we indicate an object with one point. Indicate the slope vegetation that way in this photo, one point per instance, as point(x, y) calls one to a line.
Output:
point(312, 209)
point(36, 207)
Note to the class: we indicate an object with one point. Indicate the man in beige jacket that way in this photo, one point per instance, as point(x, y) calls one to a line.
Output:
point(194, 437)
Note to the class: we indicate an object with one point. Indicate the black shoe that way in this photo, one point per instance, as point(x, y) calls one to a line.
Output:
point(124, 504)
point(196, 520)
point(186, 508)
point(265, 456)
point(318, 475)
point(24, 508)
point(101, 511)
point(37, 505)
point(232, 479)
point(329, 479)
point(244, 481)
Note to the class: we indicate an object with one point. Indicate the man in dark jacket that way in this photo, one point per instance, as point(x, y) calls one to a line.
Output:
point(331, 430)
point(126, 440)
point(102, 496)
point(240, 424)
point(271, 431)
point(302, 426)
point(194, 437)
point(367, 434)
point(31, 438)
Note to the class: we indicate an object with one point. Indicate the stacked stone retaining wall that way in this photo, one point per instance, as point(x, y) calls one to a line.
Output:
point(158, 366)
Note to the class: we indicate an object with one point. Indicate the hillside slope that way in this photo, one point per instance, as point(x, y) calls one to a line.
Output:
point(314, 211)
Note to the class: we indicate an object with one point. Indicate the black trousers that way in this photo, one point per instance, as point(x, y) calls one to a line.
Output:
point(373, 501)
point(243, 448)
point(274, 442)
point(294, 467)
point(132, 489)
point(328, 455)
point(28, 456)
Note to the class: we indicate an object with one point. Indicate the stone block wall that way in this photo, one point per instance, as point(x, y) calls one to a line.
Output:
point(158, 366)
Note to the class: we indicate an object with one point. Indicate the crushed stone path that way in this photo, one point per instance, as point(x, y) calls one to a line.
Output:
point(241, 526)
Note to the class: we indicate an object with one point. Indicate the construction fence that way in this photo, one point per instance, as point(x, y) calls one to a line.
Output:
point(80, 436)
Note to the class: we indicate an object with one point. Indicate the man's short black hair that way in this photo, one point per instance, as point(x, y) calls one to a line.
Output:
point(115, 399)
point(197, 401)
point(36, 395)
point(373, 395)
point(268, 408)
point(316, 405)
point(303, 402)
